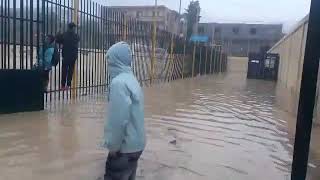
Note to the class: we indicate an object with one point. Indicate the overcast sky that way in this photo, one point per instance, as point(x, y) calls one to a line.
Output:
point(248, 11)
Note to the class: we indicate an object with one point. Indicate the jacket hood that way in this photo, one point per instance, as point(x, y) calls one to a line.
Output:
point(48, 45)
point(119, 58)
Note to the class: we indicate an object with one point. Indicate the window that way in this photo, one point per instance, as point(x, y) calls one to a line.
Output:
point(236, 30)
point(139, 13)
point(201, 30)
point(270, 63)
point(217, 30)
point(267, 63)
point(158, 13)
point(253, 31)
point(153, 13)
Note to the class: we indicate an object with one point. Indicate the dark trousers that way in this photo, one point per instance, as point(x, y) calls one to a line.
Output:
point(67, 71)
point(122, 166)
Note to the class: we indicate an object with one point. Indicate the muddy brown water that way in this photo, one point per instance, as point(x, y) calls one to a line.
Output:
point(216, 127)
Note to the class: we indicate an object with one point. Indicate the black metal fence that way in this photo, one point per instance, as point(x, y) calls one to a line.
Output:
point(24, 24)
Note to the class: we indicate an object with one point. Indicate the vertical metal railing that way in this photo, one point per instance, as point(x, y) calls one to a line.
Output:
point(159, 57)
point(2, 33)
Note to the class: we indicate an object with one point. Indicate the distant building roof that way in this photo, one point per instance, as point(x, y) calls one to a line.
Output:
point(143, 8)
point(242, 30)
point(137, 7)
point(246, 24)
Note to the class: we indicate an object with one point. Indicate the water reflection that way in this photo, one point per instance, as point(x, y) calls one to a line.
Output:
point(221, 127)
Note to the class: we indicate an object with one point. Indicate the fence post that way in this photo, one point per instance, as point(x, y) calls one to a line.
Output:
point(205, 66)
point(200, 61)
point(75, 78)
point(171, 59)
point(183, 59)
point(216, 53)
point(125, 30)
point(193, 58)
point(154, 40)
point(211, 59)
point(220, 59)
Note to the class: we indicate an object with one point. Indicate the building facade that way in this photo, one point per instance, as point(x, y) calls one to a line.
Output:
point(242, 39)
point(166, 19)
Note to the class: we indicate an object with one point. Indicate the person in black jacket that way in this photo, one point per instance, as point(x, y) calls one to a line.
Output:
point(70, 44)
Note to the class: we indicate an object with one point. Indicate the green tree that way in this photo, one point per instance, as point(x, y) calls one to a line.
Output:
point(193, 17)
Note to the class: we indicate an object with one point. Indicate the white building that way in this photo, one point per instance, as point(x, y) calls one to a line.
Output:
point(166, 19)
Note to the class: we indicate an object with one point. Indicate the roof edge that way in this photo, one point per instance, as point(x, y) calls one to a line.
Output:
point(137, 7)
point(304, 21)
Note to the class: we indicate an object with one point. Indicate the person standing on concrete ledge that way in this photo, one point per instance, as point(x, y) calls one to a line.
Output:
point(46, 56)
point(70, 44)
point(124, 127)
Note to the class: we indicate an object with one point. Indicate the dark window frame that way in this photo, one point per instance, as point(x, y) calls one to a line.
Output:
point(201, 30)
point(139, 13)
point(253, 31)
point(217, 30)
point(236, 30)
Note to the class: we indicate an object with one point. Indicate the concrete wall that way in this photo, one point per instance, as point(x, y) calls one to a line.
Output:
point(291, 50)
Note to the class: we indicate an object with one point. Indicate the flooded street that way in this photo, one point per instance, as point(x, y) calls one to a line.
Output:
point(223, 130)
point(223, 127)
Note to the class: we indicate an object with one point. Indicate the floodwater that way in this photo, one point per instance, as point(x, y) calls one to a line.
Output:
point(223, 127)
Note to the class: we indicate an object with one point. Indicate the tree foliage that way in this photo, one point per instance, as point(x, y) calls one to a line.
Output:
point(192, 15)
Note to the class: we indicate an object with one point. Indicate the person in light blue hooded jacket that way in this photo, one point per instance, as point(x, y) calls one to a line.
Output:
point(124, 127)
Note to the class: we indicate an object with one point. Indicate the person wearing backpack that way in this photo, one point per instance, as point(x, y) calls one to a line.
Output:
point(48, 56)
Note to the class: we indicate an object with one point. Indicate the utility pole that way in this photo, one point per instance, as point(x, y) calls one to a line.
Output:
point(307, 95)
point(75, 77)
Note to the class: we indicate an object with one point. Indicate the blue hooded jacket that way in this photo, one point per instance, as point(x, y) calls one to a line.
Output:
point(124, 128)
point(45, 56)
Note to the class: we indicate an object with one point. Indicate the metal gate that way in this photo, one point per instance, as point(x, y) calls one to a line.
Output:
point(255, 66)
point(263, 66)
point(24, 24)
point(271, 67)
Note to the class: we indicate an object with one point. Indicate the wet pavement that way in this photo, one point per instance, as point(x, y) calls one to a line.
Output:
point(223, 127)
